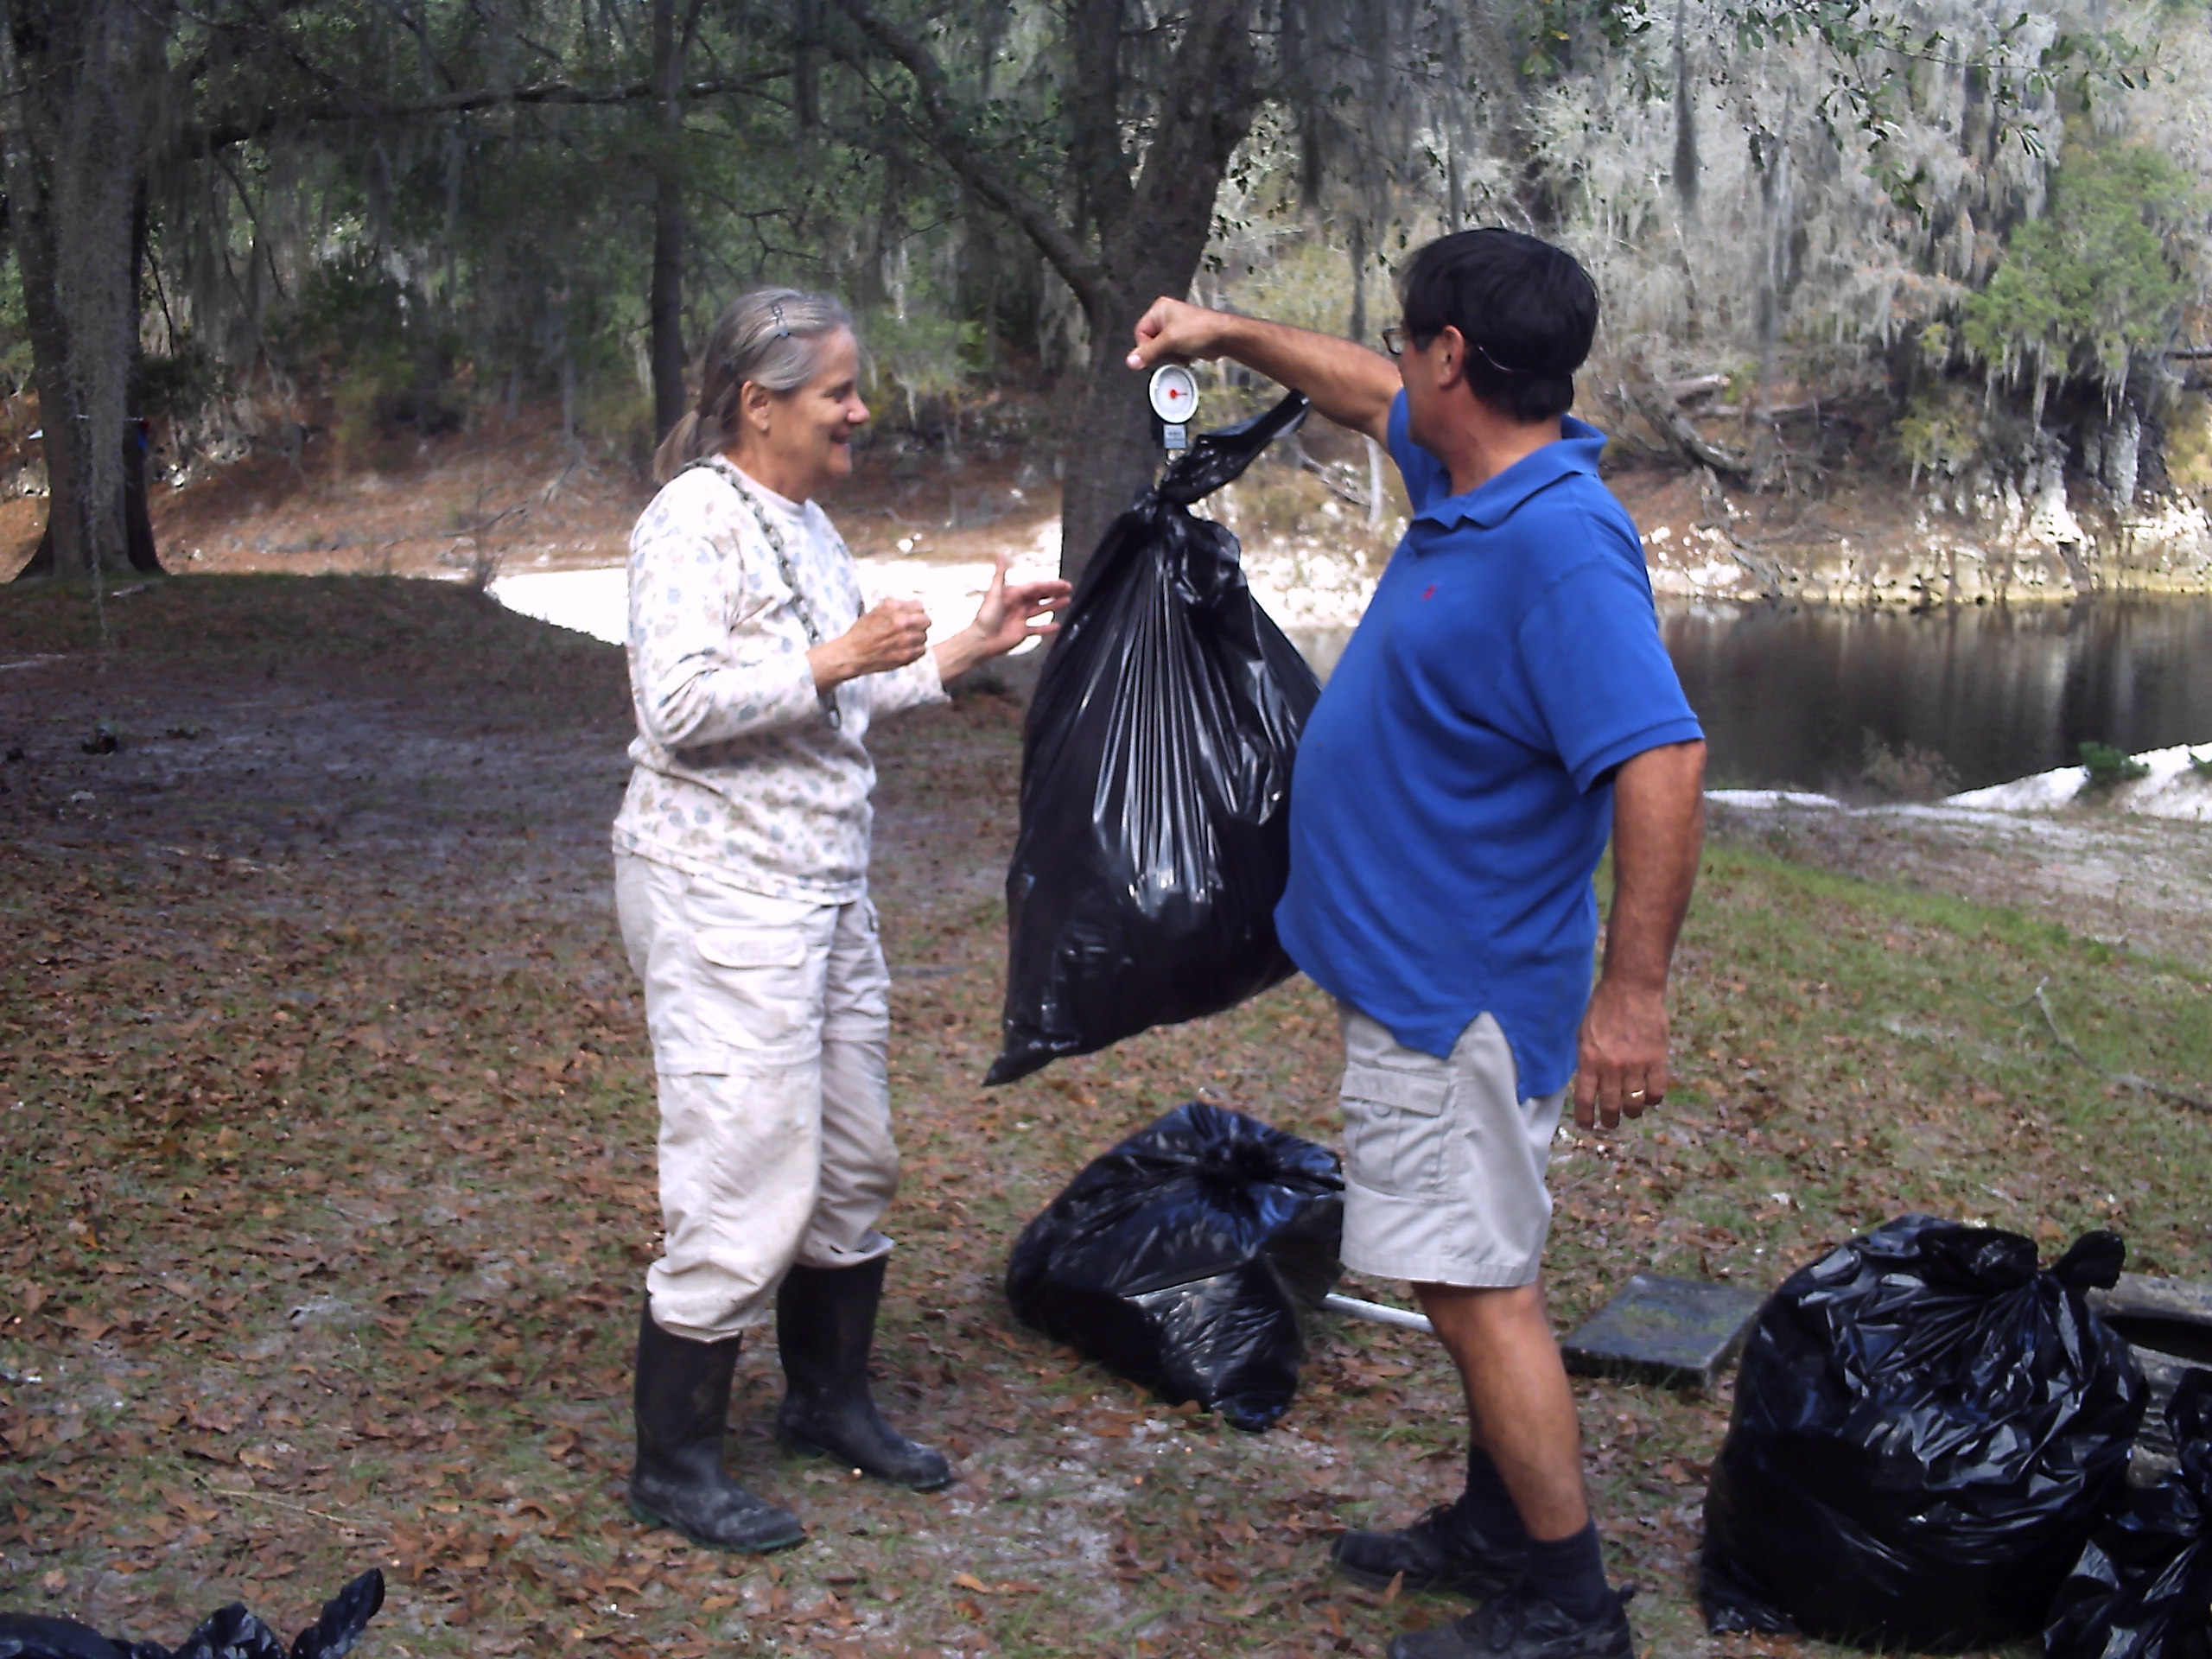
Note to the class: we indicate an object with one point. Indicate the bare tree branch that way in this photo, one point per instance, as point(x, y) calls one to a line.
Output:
point(1660, 412)
point(2141, 1085)
point(938, 127)
point(282, 118)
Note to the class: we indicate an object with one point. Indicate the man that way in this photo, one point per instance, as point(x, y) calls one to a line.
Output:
point(1505, 704)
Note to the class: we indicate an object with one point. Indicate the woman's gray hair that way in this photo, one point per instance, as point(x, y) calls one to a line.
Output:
point(774, 337)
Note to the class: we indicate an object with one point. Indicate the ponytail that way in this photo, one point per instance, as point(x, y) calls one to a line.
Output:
point(680, 447)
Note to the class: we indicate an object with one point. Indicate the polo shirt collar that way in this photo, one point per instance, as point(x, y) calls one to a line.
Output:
point(1491, 503)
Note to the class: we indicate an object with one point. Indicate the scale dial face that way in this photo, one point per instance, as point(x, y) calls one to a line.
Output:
point(1175, 392)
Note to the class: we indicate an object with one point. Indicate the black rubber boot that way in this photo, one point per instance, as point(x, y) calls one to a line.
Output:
point(681, 1400)
point(825, 1324)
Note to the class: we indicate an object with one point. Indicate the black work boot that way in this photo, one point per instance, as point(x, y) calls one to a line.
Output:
point(1474, 1546)
point(1522, 1623)
point(825, 1324)
point(1441, 1551)
point(682, 1399)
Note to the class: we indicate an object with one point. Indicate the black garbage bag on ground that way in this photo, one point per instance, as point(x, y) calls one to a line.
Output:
point(1155, 780)
point(2143, 1587)
point(1926, 1429)
point(1182, 1260)
point(227, 1633)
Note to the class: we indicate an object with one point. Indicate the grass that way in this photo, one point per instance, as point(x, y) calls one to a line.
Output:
point(328, 1176)
point(2107, 767)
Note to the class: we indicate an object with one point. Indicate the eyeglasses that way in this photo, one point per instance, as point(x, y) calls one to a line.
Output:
point(1395, 339)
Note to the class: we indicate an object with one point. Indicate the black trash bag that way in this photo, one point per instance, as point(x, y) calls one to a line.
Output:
point(1182, 1260)
point(1155, 780)
point(1926, 1429)
point(227, 1633)
point(2143, 1587)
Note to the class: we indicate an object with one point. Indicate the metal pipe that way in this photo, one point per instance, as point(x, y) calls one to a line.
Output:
point(1381, 1314)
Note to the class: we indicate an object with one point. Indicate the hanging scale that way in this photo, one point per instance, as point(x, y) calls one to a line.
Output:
point(1174, 395)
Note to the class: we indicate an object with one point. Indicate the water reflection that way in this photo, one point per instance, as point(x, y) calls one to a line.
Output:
point(1788, 696)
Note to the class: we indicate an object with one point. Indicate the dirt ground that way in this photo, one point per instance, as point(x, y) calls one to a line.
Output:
point(2139, 884)
point(328, 1174)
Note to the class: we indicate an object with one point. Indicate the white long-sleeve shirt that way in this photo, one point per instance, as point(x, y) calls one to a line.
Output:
point(738, 775)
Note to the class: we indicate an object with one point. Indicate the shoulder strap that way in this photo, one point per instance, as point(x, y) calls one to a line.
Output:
point(725, 470)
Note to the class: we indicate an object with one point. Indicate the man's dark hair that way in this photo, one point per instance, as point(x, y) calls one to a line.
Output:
point(1528, 311)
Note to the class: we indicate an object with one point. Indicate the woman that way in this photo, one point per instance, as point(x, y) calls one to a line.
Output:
point(741, 859)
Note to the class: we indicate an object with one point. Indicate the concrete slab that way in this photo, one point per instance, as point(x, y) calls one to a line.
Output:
point(1677, 1332)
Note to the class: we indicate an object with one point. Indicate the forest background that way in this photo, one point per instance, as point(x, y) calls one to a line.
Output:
point(1935, 261)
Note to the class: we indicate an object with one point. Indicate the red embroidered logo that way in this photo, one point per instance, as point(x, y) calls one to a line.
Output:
point(1429, 592)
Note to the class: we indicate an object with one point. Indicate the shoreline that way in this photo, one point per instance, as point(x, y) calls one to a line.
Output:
point(2172, 787)
point(1312, 594)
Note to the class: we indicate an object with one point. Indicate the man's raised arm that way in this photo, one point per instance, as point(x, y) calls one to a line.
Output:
point(1351, 384)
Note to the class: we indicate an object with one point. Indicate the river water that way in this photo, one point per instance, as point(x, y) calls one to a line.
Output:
point(1794, 696)
point(1791, 696)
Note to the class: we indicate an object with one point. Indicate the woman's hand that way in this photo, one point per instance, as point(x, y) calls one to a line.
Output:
point(892, 635)
point(1010, 613)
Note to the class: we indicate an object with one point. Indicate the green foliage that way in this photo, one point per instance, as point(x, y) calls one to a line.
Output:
point(2200, 767)
point(2189, 442)
point(2107, 767)
point(385, 362)
point(177, 383)
point(924, 354)
point(1941, 431)
point(2093, 282)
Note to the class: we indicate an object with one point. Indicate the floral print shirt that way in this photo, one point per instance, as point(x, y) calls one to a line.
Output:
point(739, 777)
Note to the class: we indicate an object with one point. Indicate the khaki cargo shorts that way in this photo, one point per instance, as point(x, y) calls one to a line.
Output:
point(1444, 1161)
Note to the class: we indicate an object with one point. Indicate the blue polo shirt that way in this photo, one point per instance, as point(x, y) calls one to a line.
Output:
point(1454, 790)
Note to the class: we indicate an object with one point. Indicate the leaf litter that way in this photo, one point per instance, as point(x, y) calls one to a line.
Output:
point(329, 1180)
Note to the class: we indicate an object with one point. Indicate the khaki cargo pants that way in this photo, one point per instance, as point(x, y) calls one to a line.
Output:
point(770, 1018)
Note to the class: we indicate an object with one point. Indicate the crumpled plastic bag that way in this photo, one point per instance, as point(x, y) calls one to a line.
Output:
point(1926, 1430)
point(227, 1633)
point(1183, 1258)
point(2143, 1587)
point(1155, 780)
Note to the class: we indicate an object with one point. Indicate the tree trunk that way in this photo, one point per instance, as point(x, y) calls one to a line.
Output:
point(31, 229)
point(138, 519)
point(1110, 454)
point(666, 303)
point(1151, 247)
point(1771, 153)
point(1149, 237)
point(1356, 325)
point(75, 79)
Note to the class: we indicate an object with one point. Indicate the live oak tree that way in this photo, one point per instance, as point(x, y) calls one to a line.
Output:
point(1124, 230)
point(247, 137)
point(381, 200)
point(80, 80)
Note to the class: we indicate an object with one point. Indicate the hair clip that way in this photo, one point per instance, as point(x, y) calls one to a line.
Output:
point(783, 328)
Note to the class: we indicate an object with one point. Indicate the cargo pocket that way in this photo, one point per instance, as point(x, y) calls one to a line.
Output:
point(1395, 1129)
point(754, 991)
